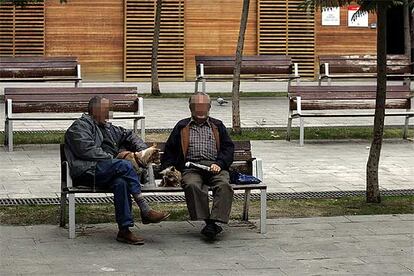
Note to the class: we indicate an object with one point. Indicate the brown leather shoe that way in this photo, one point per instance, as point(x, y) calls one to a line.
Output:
point(154, 217)
point(129, 238)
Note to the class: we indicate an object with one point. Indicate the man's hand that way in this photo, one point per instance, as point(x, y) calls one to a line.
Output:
point(215, 168)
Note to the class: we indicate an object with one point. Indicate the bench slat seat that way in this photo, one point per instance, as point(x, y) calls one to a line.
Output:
point(242, 164)
point(147, 189)
point(320, 99)
point(40, 69)
point(259, 67)
point(27, 104)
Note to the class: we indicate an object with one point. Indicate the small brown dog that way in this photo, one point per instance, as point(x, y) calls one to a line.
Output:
point(171, 177)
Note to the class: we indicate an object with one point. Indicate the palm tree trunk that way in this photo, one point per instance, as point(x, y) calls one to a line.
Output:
point(373, 192)
point(155, 86)
point(237, 68)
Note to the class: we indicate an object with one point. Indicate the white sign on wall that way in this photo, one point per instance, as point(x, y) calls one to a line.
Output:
point(331, 16)
point(357, 21)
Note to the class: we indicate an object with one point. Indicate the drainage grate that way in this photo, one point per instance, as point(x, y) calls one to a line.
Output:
point(181, 198)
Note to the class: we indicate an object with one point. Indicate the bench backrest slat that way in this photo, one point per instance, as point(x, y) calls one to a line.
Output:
point(348, 92)
point(29, 67)
point(260, 64)
point(350, 104)
point(62, 100)
point(396, 64)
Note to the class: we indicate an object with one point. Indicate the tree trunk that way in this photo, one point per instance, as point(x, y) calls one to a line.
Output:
point(407, 34)
point(237, 68)
point(155, 86)
point(373, 193)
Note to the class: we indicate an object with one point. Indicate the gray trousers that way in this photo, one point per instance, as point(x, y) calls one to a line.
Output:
point(195, 184)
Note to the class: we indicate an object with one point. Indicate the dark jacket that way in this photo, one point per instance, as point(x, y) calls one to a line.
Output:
point(83, 141)
point(177, 145)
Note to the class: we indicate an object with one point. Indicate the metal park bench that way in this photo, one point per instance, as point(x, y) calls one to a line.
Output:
point(243, 162)
point(363, 67)
point(40, 69)
point(30, 104)
point(315, 101)
point(259, 67)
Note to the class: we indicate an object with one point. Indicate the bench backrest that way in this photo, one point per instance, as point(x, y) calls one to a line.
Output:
point(396, 64)
point(241, 159)
point(347, 97)
point(32, 67)
point(260, 64)
point(69, 99)
point(242, 156)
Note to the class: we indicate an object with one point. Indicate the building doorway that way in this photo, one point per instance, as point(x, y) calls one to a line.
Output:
point(395, 30)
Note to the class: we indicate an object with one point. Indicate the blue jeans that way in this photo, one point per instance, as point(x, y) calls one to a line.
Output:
point(120, 176)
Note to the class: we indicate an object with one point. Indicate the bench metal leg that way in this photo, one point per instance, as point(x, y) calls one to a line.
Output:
point(203, 85)
point(405, 132)
point(10, 136)
point(289, 128)
point(72, 224)
point(143, 129)
point(8, 127)
point(6, 132)
point(62, 221)
point(301, 132)
point(263, 211)
point(246, 205)
point(258, 168)
point(196, 85)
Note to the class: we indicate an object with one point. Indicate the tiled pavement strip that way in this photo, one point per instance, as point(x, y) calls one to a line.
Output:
point(353, 245)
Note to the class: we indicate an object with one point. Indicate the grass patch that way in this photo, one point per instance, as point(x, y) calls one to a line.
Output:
point(321, 133)
point(226, 95)
point(103, 213)
point(315, 133)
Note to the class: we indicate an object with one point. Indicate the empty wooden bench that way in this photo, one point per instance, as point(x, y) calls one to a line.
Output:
point(40, 69)
point(243, 162)
point(314, 101)
point(259, 67)
point(362, 66)
point(26, 102)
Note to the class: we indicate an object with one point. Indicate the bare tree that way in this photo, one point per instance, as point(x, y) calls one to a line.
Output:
point(237, 68)
point(155, 85)
point(407, 33)
point(380, 6)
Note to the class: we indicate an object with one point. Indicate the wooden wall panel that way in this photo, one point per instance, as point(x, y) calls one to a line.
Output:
point(22, 30)
point(91, 30)
point(340, 40)
point(139, 31)
point(283, 29)
point(212, 28)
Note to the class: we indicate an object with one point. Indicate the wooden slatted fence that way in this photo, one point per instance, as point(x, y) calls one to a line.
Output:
point(139, 28)
point(285, 29)
point(22, 30)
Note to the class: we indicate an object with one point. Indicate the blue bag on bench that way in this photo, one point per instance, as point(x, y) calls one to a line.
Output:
point(240, 178)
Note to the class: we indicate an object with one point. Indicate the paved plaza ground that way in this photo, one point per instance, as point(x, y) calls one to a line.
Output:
point(353, 245)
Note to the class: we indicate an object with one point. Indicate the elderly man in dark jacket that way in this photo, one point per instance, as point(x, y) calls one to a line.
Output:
point(91, 147)
point(202, 140)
